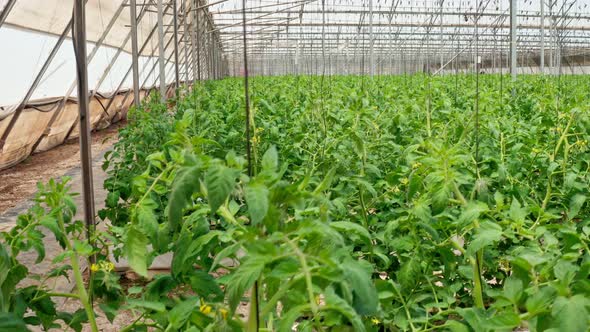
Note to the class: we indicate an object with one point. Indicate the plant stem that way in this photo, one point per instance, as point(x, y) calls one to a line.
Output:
point(82, 293)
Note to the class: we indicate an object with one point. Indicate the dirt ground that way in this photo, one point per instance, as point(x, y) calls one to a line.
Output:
point(19, 183)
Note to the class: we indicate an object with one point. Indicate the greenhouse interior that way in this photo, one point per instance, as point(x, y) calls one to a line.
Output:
point(295, 165)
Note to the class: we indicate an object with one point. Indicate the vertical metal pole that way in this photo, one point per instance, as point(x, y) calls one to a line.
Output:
point(542, 53)
point(513, 23)
point(323, 42)
point(194, 38)
point(197, 18)
point(6, 11)
point(161, 53)
point(372, 41)
point(247, 92)
point(134, 52)
point(85, 150)
point(175, 23)
point(185, 37)
point(441, 36)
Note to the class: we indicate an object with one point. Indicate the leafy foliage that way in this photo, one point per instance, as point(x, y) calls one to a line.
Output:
point(373, 206)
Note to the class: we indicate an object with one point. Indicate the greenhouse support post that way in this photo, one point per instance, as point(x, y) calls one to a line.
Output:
point(194, 38)
point(7, 8)
point(161, 54)
point(175, 23)
point(79, 37)
point(542, 52)
point(513, 23)
point(371, 41)
point(184, 40)
point(198, 37)
point(134, 51)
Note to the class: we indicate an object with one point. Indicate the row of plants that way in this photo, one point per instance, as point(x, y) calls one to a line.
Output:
point(386, 204)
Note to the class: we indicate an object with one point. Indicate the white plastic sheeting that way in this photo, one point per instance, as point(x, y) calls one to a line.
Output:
point(48, 118)
point(20, 63)
point(52, 16)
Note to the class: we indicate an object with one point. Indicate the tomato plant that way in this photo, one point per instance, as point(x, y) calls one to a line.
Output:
point(373, 206)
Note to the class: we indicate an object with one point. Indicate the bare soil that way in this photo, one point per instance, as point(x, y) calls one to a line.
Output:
point(19, 183)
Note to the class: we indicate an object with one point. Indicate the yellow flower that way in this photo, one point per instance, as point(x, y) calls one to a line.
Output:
point(396, 189)
point(404, 181)
point(416, 165)
point(536, 151)
point(206, 309)
point(223, 313)
point(94, 268)
point(317, 299)
point(375, 321)
point(109, 266)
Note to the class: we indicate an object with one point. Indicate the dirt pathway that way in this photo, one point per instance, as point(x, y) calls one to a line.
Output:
point(19, 183)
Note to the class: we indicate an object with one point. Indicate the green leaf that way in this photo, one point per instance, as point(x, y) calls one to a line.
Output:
point(51, 223)
point(112, 199)
point(513, 289)
point(326, 182)
point(540, 300)
point(487, 233)
point(571, 314)
point(9, 322)
point(472, 212)
point(422, 211)
point(136, 251)
point(455, 326)
point(517, 212)
point(5, 264)
point(270, 160)
point(82, 248)
point(409, 274)
point(220, 181)
point(204, 285)
point(257, 201)
point(358, 274)
point(151, 305)
point(576, 204)
point(289, 318)
point(352, 230)
point(506, 321)
point(185, 184)
point(181, 312)
point(243, 279)
point(146, 217)
point(339, 305)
